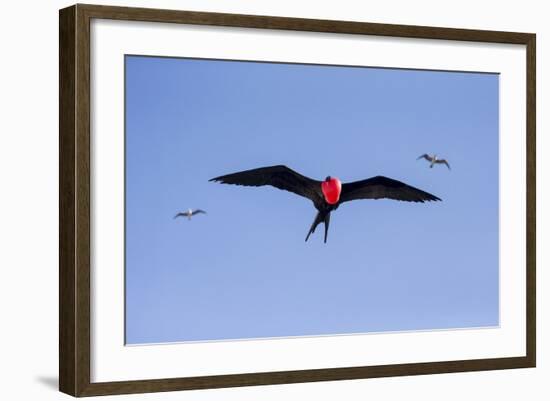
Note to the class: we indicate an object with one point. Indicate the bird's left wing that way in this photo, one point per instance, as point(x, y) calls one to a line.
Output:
point(197, 211)
point(280, 177)
point(382, 187)
point(425, 156)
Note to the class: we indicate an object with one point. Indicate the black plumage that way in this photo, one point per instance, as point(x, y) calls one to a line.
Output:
point(380, 187)
point(282, 177)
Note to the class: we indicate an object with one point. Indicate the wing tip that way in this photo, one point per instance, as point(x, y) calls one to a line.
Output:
point(220, 179)
point(429, 198)
point(434, 198)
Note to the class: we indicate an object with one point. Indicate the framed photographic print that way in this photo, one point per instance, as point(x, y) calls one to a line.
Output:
point(250, 200)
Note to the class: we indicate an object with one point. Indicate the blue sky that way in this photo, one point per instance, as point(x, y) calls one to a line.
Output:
point(244, 270)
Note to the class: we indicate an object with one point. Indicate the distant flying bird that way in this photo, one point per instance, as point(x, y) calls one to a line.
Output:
point(326, 195)
point(189, 213)
point(433, 160)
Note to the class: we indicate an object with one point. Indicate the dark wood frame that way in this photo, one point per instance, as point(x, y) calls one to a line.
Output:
point(74, 200)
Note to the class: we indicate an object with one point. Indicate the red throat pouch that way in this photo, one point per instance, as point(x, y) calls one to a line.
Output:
point(331, 190)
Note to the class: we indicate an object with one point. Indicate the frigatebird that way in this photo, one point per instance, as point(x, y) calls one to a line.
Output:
point(434, 160)
point(326, 195)
point(189, 213)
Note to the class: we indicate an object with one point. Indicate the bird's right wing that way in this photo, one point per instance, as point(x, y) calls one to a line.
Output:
point(445, 162)
point(197, 211)
point(180, 215)
point(280, 177)
point(382, 187)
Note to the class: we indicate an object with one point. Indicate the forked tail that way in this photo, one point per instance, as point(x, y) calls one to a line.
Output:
point(320, 218)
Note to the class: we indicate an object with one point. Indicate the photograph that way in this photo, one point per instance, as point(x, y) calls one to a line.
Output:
point(252, 199)
point(267, 200)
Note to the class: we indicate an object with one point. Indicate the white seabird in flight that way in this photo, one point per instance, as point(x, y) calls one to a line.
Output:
point(189, 213)
point(434, 160)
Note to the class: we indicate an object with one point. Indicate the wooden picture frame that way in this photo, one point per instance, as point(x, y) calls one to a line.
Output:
point(74, 200)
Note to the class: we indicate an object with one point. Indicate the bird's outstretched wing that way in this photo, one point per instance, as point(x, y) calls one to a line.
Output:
point(443, 161)
point(382, 187)
point(280, 177)
point(181, 214)
point(425, 156)
point(197, 211)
